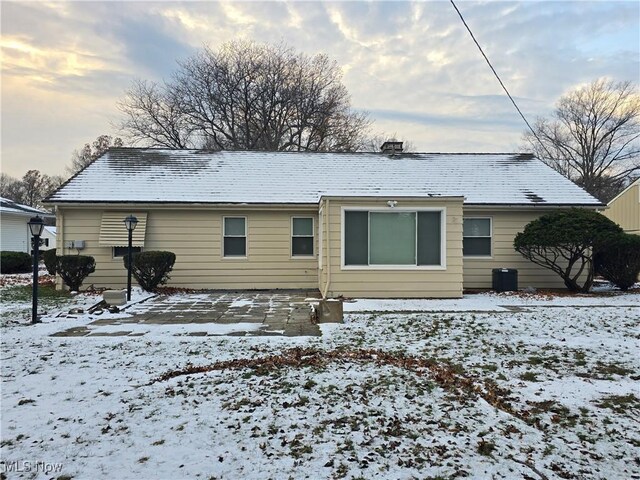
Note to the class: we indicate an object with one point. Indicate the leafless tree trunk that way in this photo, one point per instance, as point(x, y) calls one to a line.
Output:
point(153, 116)
point(247, 96)
point(592, 136)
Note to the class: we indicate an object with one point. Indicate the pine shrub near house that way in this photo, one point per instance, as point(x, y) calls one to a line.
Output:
point(74, 269)
point(563, 241)
point(618, 260)
point(15, 262)
point(50, 260)
point(151, 269)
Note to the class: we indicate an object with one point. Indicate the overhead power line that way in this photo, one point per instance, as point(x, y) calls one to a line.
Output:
point(499, 79)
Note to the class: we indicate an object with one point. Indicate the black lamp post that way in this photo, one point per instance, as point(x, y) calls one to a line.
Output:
point(35, 227)
point(130, 222)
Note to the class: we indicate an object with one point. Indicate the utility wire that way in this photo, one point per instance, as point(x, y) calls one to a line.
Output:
point(499, 80)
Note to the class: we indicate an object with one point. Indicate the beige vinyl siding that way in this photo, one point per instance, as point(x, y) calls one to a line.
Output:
point(195, 236)
point(506, 224)
point(393, 283)
point(625, 209)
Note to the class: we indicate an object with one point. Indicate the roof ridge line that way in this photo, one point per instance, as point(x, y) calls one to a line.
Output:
point(315, 152)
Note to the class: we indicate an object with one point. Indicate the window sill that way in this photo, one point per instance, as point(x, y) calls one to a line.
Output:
point(393, 267)
point(477, 257)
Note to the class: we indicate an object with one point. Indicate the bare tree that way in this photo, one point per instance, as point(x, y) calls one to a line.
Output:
point(246, 96)
point(153, 116)
point(11, 188)
point(592, 136)
point(89, 152)
point(35, 187)
point(31, 189)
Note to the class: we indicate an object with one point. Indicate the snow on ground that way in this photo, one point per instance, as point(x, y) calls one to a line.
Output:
point(87, 406)
point(491, 302)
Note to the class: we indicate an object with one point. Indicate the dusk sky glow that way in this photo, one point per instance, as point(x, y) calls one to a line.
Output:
point(413, 66)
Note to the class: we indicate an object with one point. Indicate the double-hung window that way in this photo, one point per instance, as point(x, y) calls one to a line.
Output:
point(399, 238)
point(235, 237)
point(476, 240)
point(302, 236)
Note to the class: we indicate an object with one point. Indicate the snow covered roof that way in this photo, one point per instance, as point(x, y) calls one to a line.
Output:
point(10, 207)
point(146, 175)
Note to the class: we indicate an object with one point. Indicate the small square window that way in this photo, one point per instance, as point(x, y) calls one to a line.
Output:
point(302, 237)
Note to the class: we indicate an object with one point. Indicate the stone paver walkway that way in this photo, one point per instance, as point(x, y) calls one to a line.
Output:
point(285, 313)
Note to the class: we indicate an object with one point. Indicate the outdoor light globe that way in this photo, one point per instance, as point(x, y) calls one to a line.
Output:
point(130, 222)
point(36, 225)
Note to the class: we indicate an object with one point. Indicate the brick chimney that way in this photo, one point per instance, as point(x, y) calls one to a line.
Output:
point(391, 148)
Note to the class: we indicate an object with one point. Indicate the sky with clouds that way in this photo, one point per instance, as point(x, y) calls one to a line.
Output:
point(413, 66)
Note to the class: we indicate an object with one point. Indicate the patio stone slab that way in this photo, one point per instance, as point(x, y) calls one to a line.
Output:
point(279, 312)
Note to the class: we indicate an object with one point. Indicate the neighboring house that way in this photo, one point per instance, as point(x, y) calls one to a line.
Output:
point(624, 209)
point(14, 232)
point(49, 237)
point(352, 224)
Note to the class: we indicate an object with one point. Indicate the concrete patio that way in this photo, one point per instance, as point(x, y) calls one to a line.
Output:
point(281, 313)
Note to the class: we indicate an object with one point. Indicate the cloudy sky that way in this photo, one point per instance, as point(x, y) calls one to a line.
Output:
point(411, 65)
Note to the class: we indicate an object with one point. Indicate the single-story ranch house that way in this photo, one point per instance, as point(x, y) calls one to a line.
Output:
point(387, 224)
point(14, 232)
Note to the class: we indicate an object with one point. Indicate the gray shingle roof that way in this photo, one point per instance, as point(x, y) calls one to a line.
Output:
point(9, 207)
point(193, 176)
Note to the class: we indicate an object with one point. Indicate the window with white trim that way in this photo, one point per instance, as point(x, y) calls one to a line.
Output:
point(234, 237)
point(476, 237)
point(302, 236)
point(399, 238)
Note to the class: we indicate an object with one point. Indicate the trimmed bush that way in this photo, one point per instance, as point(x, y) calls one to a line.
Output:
point(618, 260)
point(73, 269)
point(15, 262)
point(50, 260)
point(563, 242)
point(152, 268)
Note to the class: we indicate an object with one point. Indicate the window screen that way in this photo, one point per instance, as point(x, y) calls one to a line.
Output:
point(392, 238)
point(356, 241)
point(302, 237)
point(235, 237)
point(429, 238)
point(476, 237)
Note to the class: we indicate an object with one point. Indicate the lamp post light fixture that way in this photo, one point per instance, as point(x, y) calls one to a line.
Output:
point(130, 222)
point(36, 225)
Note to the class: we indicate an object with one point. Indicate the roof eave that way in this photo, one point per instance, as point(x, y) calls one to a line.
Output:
point(538, 206)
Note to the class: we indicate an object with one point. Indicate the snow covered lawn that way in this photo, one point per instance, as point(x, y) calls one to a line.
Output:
point(480, 391)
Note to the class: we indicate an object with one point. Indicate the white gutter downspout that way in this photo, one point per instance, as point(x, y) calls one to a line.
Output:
point(328, 247)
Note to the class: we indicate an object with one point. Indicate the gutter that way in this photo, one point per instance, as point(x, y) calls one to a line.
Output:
point(182, 205)
point(539, 206)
